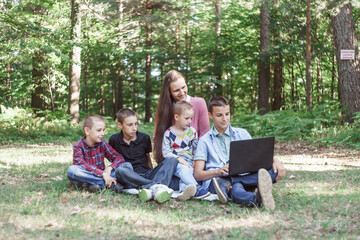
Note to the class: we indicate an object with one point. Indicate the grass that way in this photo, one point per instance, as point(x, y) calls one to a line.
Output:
point(36, 202)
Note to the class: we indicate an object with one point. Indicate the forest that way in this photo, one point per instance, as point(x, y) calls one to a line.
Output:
point(67, 59)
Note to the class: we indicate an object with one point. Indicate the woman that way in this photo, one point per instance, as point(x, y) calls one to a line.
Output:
point(174, 89)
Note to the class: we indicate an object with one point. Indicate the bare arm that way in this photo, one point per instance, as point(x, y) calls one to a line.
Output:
point(149, 162)
point(200, 174)
point(279, 168)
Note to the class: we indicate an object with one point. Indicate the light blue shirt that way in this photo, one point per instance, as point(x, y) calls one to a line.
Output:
point(223, 141)
point(211, 150)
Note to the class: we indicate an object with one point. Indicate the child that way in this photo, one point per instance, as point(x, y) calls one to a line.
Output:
point(212, 157)
point(135, 147)
point(89, 169)
point(180, 142)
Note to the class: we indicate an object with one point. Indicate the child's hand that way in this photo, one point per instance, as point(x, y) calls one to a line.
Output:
point(108, 179)
point(183, 161)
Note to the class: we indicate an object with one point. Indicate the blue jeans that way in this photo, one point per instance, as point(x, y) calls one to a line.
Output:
point(161, 174)
point(240, 184)
point(186, 176)
point(79, 174)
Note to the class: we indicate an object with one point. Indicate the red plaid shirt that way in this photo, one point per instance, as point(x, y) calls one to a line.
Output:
point(92, 158)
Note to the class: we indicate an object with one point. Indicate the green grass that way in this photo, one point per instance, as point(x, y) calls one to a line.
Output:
point(322, 204)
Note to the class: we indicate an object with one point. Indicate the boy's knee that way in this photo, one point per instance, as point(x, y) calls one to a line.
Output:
point(171, 161)
point(123, 169)
point(73, 170)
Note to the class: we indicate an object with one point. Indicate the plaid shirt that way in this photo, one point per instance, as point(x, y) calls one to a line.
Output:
point(92, 158)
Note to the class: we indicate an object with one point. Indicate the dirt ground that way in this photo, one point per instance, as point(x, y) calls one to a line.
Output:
point(298, 156)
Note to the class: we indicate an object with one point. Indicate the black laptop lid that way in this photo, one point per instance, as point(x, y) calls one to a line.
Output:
point(248, 156)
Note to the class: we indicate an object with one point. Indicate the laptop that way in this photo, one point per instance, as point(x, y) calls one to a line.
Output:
point(247, 156)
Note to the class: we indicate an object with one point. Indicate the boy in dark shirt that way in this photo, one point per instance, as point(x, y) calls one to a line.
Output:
point(135, 147)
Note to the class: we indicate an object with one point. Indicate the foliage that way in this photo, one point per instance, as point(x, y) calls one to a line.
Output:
point(182, 37)
point(23, 126)
point(323, 125)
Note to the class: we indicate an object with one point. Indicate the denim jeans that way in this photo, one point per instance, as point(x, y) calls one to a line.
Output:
point(161, 174)
point(79, 174)
point(240, 184)
point(186, 175)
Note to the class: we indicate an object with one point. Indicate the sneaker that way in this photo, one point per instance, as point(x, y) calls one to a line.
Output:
point(258, 198)
point(79, 185)
point(117, 187)
point(265, 189)
point(94, 188)
point(202, 193)
point(221, 191)
point(161, 192)
point(145, 194)
point(188, 193)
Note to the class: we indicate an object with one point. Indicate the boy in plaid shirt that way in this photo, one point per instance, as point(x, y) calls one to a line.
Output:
point(89, 169)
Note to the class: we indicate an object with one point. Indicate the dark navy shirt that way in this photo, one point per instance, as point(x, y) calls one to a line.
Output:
point(135, 152)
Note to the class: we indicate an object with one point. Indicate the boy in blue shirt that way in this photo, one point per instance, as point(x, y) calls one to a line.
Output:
point(212, 157)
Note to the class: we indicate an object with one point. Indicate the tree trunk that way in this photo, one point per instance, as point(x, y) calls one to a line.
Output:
point(37, 76)
point(333, 76)
point(278, 87)
point(217, 63)
point(308, 56)
point(8, 83)
point(102, 93)
point(75, 66)
point(120, 72)
point(148, 68)
point(319, 87)
point(264, 62)
point(348, 70)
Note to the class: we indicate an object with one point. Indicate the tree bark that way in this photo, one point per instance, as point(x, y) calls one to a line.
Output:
point(308, 57)
point(148, 68)
point(264, 62)
point(75, 66)
point(8, 83)
point(37, 76)
point(278, 83)
point(348, 70)
point(217, 63)
point(120, 72)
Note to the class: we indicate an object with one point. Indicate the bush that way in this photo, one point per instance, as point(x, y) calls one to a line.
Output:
point(323, 125)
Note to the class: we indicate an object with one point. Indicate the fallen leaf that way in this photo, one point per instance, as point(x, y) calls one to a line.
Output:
point(75, 210)
point(64, 199)
point(57, 178)
point(102, 200)
point(292, 177)
point(40, 193)
point(49, 224)
point(44, 175)
point(289, 184)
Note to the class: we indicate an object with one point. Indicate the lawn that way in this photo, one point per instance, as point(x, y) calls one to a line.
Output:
point(319, 198)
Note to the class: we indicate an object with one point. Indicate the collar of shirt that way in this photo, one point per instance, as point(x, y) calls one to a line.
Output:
point(224, 142)
point(87, 145)
point(136, 141)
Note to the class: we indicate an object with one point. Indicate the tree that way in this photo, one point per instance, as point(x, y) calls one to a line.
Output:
point(75, 57)
point(348, 70)
point(264, 61)
point(308, 56)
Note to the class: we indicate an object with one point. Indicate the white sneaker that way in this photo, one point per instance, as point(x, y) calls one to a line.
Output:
point(188, 193)
point(161, 192)
point(265, 189)
point(145, 194)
